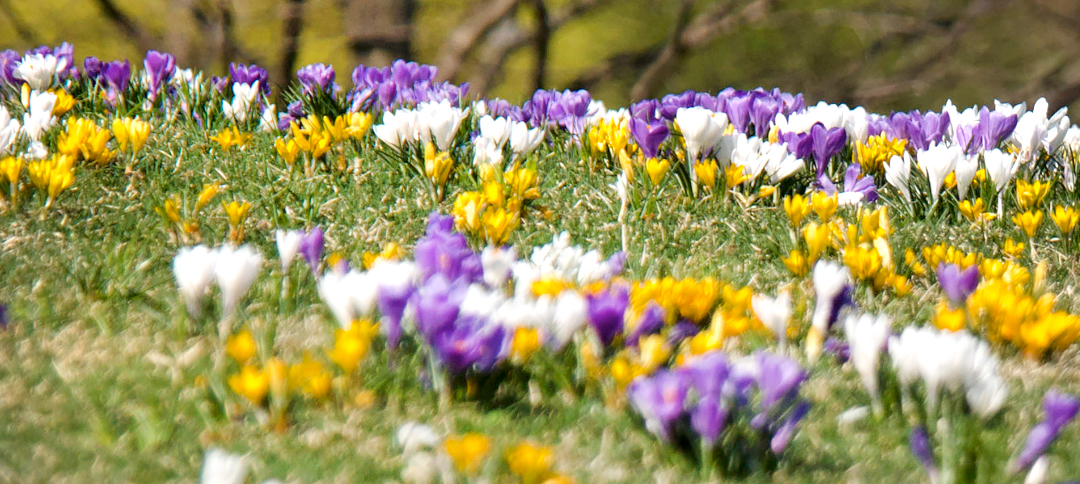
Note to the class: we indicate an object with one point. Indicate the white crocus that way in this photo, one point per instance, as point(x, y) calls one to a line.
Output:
point(487, 152)
point(867, 335)
point(905, 350)
point(335, 290)
point(898, 174)
point(1001, 167)
point(495, 129)
point(829, 279)
point(1038, 472)
point(415, 436)
point(39, 71)
point(774, 313)
point(780, 162)
point(9, 130)
point(440, 122)
point(986, 390)
point(481, 302)
point(747, 154)
point(966, 167)
point(570, 314)
point(288, 243)
point(243, 97)
point(701, 130)
point(193, 268)
point(235, 271)
point(220, 467)
point(39, 117)
point(936, 163)
point(36, 150)
point(269, 120)
point(497, 262)
point(396, 128)
point(524, 140)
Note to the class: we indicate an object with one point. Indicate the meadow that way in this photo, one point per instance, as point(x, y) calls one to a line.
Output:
point(369, 284)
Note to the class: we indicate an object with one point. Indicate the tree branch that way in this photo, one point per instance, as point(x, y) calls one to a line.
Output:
point(290, 40)
point(543, 38)
point(483, 17)
point(127, 25)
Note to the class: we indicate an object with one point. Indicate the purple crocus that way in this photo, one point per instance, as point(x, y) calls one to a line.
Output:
point(957, 284)
point(708, 374)
point(648, 136)
point(857, 188)
point(738, 110)
point(651, 321)
point(799, 144)
point(9, 60)
point(659, 399)
point(160, 68)
point(471, 343)
point(437, 303)
point(763, 109)
point(826, 143)
point(92, 68)
point(708, 418)
point(994, 126)
point(116, 75)
point(311, 247)
point(1060, 408)
point(605, 310)
point(682, 330)
point(783, 435)
point(316, 77)
point(442, 251)
point(919, 442)
point(392, 300)
point(780, 378)
point(647, 110)
point(840, 349)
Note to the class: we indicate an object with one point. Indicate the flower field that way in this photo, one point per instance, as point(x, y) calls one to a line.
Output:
point(388, 279)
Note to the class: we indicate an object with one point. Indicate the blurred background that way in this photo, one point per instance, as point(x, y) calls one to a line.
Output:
point(901, 54)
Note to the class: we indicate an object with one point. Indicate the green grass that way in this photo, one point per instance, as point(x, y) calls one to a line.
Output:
point(99, 366)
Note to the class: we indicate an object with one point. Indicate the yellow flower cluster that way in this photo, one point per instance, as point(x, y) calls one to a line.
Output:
point(86, 141)
point(130, 134)
point(1006, 312)
point(315, 137)
point(609, 136)
point(170, 211)
point(310, 377)
point(690, 299)
point(876, 151)
point(52, 175)
point(493, 212)
point(230, 137)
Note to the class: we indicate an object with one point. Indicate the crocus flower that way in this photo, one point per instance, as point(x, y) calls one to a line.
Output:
point(957, 284)
point(437, 303)
point(394, 280)
point(249, 74)
point(311, 248)
point(774, 313)
point(471, 343)
point(288, 243)
point(1038, 441)
point(606, 310)
point(335, 290)
point(826, 143)
point(649, 136)
point(898, 173)
point(857, 188)
point(936, 162)
point(832, 284)
point(414, 436)
point(651, 321)
point(495, 129)
point(39, 71)
point(116, 76)
point(708, 418)
point(659, 399)
point(235, 270)
point(159, 69)
point(524, 140)
point(316, 77)
point(220, 467)
point(919, 442)
point(1001, 167)
point(783, 435)
point(780, 378)
point(868, 335)
point(701, 130)
point(571, 311)
point(440, 122)
point(193, 268)
point(1060, 408)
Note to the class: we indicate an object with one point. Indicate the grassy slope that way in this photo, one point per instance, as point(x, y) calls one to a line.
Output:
point(91, 389)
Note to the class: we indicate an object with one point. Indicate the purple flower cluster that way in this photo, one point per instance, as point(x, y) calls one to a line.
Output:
point(921, 130)
point(713, 393)
point(113, 76)
point(401, 84)
point(992, 128)
point(821, 142)
point(958, 284)
point(1059, 409)
point(317, 78)
point(606, 310)
point(856, 186)
point(568, 109)
point(445, 252)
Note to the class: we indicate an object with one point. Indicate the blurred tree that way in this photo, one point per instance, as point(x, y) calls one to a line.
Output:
point(901, 55)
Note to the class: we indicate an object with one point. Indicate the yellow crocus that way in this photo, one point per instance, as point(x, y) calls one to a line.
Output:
point(468, 451)
point(241, 346)
point(230, 137)
point(311, 378)
point(526, 341)
point(1065, 218)
point(10, 168)
point(705, 171)
point(532, 463)
point(64, 102)
point(130, 133)
point(1031, 194)
point(877, 150)
point(1012, 248)
point(818, 237)
point(656, 169)
point(237, 212)
point(975, 211)
point(358, 124)
point(734, 175)
point(53, 175)
point(467, 211)
point(251, 383)
point(824, 205)
point(498, 225)
point(287, 149)
point(437, 165)
point(208, 192)
point(1029, 222)
point(797, 208)
point(948, 318)
point(352, 345)
point(797, 263)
